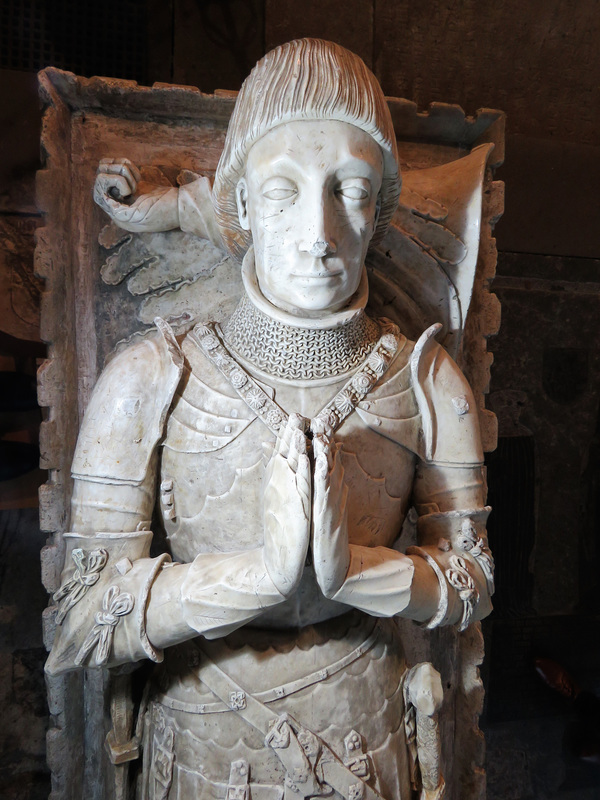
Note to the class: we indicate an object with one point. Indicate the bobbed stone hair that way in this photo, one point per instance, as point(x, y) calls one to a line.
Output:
point(306, 79)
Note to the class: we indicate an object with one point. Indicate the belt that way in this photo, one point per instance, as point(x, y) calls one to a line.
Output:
point(312, 767)
point(277, 692)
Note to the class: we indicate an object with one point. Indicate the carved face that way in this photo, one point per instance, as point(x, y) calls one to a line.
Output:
point(310, 200)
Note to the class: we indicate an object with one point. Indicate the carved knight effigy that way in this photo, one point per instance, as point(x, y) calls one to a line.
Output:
point(282, 452)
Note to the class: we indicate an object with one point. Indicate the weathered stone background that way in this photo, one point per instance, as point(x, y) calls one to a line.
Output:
point(540, 62)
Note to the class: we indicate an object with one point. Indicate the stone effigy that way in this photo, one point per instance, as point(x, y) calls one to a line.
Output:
point(284, 448)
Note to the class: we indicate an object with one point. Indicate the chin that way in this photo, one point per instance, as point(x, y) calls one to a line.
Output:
point(323, 303)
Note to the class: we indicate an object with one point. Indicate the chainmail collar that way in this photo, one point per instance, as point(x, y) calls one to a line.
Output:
point(284, 346)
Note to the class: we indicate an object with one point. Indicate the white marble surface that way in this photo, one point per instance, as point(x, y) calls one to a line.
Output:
point(288, 447)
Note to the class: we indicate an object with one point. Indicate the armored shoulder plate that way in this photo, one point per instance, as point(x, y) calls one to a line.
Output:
point(449, 415)
point(207, 412)
point(427, 406)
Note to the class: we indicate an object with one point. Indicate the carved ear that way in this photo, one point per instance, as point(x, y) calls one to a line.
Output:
point(241, 198)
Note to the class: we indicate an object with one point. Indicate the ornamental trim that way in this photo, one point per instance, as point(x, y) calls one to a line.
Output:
point(115, 604)
point(88, 566)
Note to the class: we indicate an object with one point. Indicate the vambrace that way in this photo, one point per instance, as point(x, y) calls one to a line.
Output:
point(454, 544)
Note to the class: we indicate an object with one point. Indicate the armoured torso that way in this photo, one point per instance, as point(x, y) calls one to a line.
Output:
point(302, 673)
point(215, 426)
point(212, 466)
point(216, 449)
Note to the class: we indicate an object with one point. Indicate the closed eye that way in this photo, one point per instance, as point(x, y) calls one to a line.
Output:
point(279, 188)
point(357, 189)
point(279, 193)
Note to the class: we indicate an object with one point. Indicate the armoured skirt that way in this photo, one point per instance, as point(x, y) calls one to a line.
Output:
point(341, 680)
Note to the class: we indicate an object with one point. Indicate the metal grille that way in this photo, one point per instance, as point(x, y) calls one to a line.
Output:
point(89, 38)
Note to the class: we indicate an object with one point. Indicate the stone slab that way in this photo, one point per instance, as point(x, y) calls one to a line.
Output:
point(553, 197)
point(173, 127)
point(537, 61)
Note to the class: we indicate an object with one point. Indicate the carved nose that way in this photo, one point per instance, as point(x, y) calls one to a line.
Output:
point(321, 248)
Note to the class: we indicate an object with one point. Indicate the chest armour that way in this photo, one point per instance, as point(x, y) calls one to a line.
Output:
point(216, 449)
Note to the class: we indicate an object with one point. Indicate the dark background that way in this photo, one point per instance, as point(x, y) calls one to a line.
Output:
point(540, 62)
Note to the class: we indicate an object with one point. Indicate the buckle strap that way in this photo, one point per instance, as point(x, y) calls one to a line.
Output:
point(210, 339)
point(364, 379)
point(313, 769)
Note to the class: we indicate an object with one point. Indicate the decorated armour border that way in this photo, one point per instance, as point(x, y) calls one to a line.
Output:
point(364, 379)
point(89, 565)
point(209, 337)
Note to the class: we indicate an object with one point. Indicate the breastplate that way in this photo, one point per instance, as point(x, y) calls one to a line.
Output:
point(213, 463)
point(214, 495)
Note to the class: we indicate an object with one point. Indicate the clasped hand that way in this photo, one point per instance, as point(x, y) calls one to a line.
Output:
point(305, 504)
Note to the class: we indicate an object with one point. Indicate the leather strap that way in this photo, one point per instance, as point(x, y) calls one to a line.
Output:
point(312, 766)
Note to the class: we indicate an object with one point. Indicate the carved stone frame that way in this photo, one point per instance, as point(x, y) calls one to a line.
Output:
point(179, 127)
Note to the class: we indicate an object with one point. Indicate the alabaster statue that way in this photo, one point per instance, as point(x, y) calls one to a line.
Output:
point(281, 453)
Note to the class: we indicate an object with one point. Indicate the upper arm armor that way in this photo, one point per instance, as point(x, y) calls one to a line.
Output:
point(126, 414)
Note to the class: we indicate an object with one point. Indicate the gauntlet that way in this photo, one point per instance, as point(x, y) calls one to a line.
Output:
point(102, 600)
